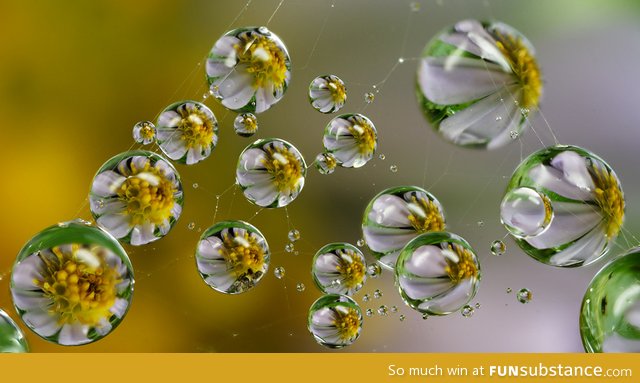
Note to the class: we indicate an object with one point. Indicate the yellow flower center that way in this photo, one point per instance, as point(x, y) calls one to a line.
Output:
point(197, 128)
point(425, 215)
point(351, 268)
point(265, 60)
point(148, 195)
point(81, 285)
point(465, 267)
point(243, 254)
point(364, 135)
point(347, 321)
point(338, 91)
point(250, 123)
point(524, 66)
point(147, 132)
point(285, 168)
point(609, 198)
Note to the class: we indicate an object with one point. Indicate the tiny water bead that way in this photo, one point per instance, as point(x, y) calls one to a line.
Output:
point(279, 272)
point(339, 268)
point(401, 318)
point(474, 78)
point(137, 197)
point(144, 132)
point(467, 311)
point(437, 273)
point(382, 157)
point(369, 312)
point(477, 305)
point(394, 309)
point(393, 168)
point(191, 225)
point(360, 242)
point(377, 294)
point(300, 287)
point(366, 298)
point(397, 215)
point(335, 321)
point(187, 132)
point(248, 69)
point(326, 163)
point(498, 248)
point(352, 139)
point(610, 313)
point(374, 270)
point(293, 235)
point(72, 284)
point(383, 310)
point(369, 97)
point(524, 295)
point(509, 290)
point(12, 339)
point(564, 206)
point(327, 94)
point(289, 247)
point(232, 256)
point(271, 172)
point(245, 124)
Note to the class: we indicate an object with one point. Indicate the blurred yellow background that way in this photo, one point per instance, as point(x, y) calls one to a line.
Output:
point(76, 76)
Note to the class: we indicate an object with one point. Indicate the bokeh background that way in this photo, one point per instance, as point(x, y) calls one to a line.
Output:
point(76, 76)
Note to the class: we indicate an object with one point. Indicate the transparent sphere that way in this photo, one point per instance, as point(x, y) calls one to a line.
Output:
point(335, 321)
point(326, 163)
point(437, 273)
point(144, 132)
point(12, 339)
point(327, 94)
point(397, 215)
point(610, 314)
point(339, 268)
point(248, 69)
point(477, 82)
point(271, 172)
point(187, 132)
point(245, 124)
point(137, 197)
point(72, 283)
point(564, 206)
point(352, 139)
point(232, 256)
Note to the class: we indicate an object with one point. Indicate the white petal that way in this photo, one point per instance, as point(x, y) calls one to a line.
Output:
point(236, 90)
point(25, 272)
point(73, 334)
point(107, 183)
point(42, 322)
point(225, 46)
point(485, 43)
point(554, 180)
point(168, 119)
point(210, 248)
point(585, 250)
point(143, 234)
point(253, 177)
point(176, 210)
point(119, 308)
point(194, 155)
point(263, 194)
point(116, 224)
point(108, 206)
point(574, 169)
point(174, 147)
point(103, 327)
point(382, 240)
point(389, 210)
point(570, 222)
point(253, 159)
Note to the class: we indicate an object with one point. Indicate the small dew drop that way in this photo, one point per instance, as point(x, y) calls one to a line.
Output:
point(525, 112)
point(402, 318)
point(100, 203)
point(279, 272)
point(467, 311)
point(300, 287)
point(369, 97)
point(195, 185)
point(295, 252)
point(383, 310)
point(293, 235)
point(400, 60)
point(374, 270)
point(377, 294)
point(509, 290)
point(382, 156)
point(394, 309)
point(205, 96)
point(425, 316)
point(514, 135)
point(366, 298)
point(524, 296)
point(498, 248)
point(369, 312)
point(480, 223)
point(360, 242)
point(499, 118)
point(393, 168)
point(477, 305)
point(191, 225)
point(288, 247)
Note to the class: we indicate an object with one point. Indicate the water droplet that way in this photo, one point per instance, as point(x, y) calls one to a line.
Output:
point(100, 203)
point(477, 305)
point(279, 272)
point(63, 224)
point(393, 168)
point(480, 223)
point(514, 135)
point(382, 156)
point(263, 30)
point(400, 60)
point(529, 203)
point(524, 296)
point(377, 294)
point(498, 247)
point(295, 252)
point(288, 247)
point(369, 97)
point(415, 6)
point(369, 312)
point(195, 185)
point(144, 132)
point(467, 311)
point(394, 309)
point(509, 290)
point(360, 242)
point(374, 270)
point(525, 112)
point(300, 287)
point(425, 316)
point(383, 310)
point(326, 163)
point(191, 225)
point(499, 118)
point(402, 318)
point(366, 298)
point(294, 235)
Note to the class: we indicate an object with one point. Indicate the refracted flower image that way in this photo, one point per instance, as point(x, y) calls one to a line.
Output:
point(437, 273)
point(611, 307)
point(232, 256)
point(72, 283)
point(12, 339)
point(248, 69)
point(144, 132)
point(352, 139)
point(397, 215)
point(564, 206)
point(339, 268)
point(245, 124)
point(477, 83)
point(187, 132)
point(136, 196)
point(326, 163)
point(271, 172)
point(327, 94)
point(335, 321)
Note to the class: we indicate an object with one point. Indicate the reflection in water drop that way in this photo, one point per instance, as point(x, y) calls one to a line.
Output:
point(467, 311)
point(498, 247)
point(279, 272)
point(524, 296)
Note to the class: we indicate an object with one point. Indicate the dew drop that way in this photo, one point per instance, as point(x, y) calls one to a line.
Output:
point(402, 318)
point(377, 294)
point(369, 312)
point(394, 309)
point(383, 310)
point(477, 305)
point(360, 242)
point(366, 298)
point(524, 296)
point(374, 270)
point(279, 272)
point(300, 287)
point(382, 156)
point(467, 311)
point(195, 185)
point(293, 235)
point(191, 225)
point(393, 168)
point(509, 290)
point(498, 248)
point(425, 316)
point(289, 247)
point(514, 135)
point(369, 97)
point(480, 223)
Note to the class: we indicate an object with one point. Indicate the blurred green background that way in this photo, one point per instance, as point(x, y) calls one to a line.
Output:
point(76, 76)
